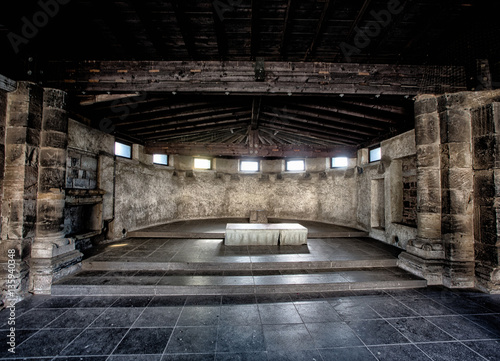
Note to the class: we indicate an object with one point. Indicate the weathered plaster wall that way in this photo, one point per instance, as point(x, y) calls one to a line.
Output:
point(385, 176)
point(161, 194)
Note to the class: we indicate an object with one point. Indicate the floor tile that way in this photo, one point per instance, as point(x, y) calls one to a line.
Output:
point(279, 313)
point(199, 316)
point(192, 340)
point(134, 358)
point(398, 353)
point(238, 299)
point(81, 358)
point(463, 306)
point(76, 318)
point(332, 334)
point(317, 312)
point(117, 317)
point(241, 356)
point(96, 302)
point(203, 300)
point(95, 341)
point(20, 337)
point(461, 328)
point(287, 337)
point(419, 330)
point(239, 315)
point(377, 332)
point(273, 298)
point(60, 302)
point(354, 309)
point(450, 351)
point(347, 354)
point(190, 357)
point(240, 339)
point(294, 355)
point(144, 341)
point(38, 318)
point(488, 349)
point(158, 317)
point(390, 308)
point(163, 301)
point(137, 301)
point(489, 322)
point(427, 307)
point(47, 342)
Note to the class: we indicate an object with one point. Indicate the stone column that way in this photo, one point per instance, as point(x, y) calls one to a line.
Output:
point(52, 254)
point(424, 256)
point(22, 138)
point(486, 163)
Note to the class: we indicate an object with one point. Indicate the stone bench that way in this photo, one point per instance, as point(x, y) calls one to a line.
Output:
point(269, 234)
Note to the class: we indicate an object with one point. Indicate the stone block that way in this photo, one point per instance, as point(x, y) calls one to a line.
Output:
point(458, 126)
point(33, 137)
point(460, 155)
point(482, 121)
point(457, 223)
point(428, 155)
point(486, 225)
point(54, 98)
point(259, 216)
point(429, 225)
point(428, 178)
point(55, 120)
point(484, 151)
point(427, 129)
point(458, 201)
point(54, 139)
point(50, 178)
point(30, 182)
point(17, 119)
point(81, 183)
point(458, 248)
point(484, 188)
point(51, 157)
point(35, 117)
point(16, 135)
point(15, 154)
point(486, 253)
point(460, 178)
point(429, 200)
point(424, 105)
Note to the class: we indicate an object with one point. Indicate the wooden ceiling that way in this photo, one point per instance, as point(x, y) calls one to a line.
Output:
point(423, 32)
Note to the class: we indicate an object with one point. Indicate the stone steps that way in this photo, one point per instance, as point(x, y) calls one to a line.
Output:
point(205, 281)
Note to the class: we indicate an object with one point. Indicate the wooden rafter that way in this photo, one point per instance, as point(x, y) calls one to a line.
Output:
point(220, 33)
point(256, 104)
point(154, 35)
point(7, 84)
point(183, 22)
point(286, 29)
point(319, 28)
point(255, 31)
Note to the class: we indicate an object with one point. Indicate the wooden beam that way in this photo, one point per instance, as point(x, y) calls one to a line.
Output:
point(238, 77)
point(220, 33)
point(286, 29)
point(257, 101)
point(222, 149)
point(255, 30)
point(153, 34)
point(182, 21)
point(319, 28)
point(7, 84)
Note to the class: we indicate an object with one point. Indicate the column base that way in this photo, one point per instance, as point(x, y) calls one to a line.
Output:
point(488, 279)
point(431, 270)
point(44, 271)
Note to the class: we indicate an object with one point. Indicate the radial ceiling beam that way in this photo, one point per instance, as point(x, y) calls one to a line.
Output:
point(238, 77)
point(256, 103)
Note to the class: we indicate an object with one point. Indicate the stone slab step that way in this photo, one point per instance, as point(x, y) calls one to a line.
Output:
point(182, 282)
point(152, 266)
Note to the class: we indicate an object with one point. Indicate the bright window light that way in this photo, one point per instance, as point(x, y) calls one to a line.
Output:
point(296, 165)
point(339, 162)
point(123, 150)
point(375, 154)
point(249, 166)
point(160, 159)
point(202, 163)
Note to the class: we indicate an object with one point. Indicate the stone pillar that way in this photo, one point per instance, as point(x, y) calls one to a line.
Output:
point(486, 163)
point(424, 256)
point(52, 254)
point(22, 138)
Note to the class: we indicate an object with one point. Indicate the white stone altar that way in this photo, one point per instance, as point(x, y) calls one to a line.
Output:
point(268, 234)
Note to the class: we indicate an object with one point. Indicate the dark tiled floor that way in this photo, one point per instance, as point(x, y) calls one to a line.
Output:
point(424, 324)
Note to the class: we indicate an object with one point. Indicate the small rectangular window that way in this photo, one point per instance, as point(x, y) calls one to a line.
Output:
point(202, 163)
point(123, 150)
point(339, 162)
point(375, 154)
point(295, 165)
point(249, 166)
point(161, 159)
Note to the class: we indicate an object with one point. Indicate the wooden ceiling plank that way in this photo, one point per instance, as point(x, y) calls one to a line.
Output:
point(184, 27)
point(319, 28)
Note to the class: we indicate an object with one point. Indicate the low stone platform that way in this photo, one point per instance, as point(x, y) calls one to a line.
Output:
point(265, 234)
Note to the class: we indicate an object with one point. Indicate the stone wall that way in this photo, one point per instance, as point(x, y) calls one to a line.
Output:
point(409, 191)
point(380, 191)
point(164, 194)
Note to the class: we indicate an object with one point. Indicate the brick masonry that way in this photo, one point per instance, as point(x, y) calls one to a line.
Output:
point(409, 165)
